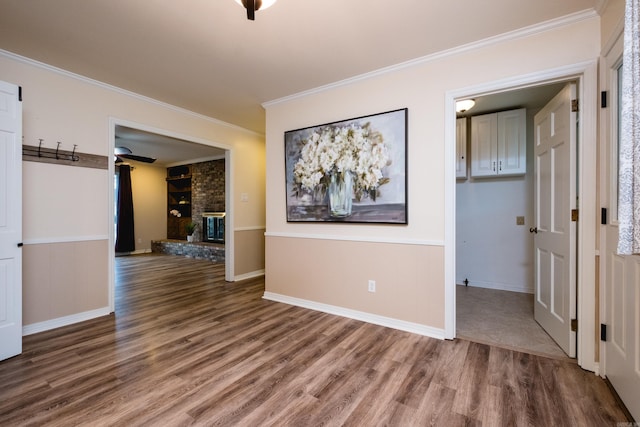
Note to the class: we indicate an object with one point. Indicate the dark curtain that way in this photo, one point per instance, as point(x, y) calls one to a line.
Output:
point(125, 240)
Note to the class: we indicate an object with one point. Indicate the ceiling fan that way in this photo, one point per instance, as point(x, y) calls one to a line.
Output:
point(122, 153)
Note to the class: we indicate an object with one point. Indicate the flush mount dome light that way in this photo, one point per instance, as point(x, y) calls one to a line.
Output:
point(464, 105)
point(253, 5)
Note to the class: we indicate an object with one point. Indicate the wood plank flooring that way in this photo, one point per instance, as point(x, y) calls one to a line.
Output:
point(187, 348)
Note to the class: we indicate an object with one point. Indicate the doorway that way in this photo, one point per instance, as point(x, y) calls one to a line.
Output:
point(170, 151)
point(494, 249)
point(585, 74)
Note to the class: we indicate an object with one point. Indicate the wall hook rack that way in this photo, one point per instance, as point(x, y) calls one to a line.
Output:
point(70, 158)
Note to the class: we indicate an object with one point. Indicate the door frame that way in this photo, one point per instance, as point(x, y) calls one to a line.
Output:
point(586, 76)
point(228, 188)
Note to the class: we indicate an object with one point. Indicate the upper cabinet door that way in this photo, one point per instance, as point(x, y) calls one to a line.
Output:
point(512, 142)
point(461, 148)
point(498, 144)
point(484, 139)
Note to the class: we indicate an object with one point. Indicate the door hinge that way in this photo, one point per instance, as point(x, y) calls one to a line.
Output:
point(603, 216)
point(574, 325)
point(603, 332)
point(20, 93)
point(574, 105)
point(574, 215)
point(603, 99)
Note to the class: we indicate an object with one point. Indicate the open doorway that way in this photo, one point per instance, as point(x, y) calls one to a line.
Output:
point(495, 256)
point(153, 157)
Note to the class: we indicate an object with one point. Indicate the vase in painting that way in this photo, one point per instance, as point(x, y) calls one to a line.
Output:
point(340, 194)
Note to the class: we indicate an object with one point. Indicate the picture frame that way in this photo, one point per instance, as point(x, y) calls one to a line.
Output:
point(349, 171)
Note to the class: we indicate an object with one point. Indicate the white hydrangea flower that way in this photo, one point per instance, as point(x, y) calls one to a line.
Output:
point(354, 148)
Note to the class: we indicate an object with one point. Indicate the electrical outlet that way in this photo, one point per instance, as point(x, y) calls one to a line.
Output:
point(519, 220)
point(372, 285)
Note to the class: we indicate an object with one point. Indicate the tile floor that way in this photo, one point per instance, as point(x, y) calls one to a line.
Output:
point(502, 318)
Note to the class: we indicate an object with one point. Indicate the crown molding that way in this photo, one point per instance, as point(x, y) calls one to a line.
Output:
point(490, 41)
point(600, 6)
point(106, 86)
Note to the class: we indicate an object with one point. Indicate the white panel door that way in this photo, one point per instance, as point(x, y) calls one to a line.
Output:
point(623, 325)
point(621, 277)
point(555, 233)
point(10, 221)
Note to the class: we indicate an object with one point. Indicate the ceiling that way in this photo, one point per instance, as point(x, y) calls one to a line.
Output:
point(166, 150)
point(205, 56)
point(531, 98)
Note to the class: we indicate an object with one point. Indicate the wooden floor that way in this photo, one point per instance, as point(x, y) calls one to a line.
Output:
point(186, 348)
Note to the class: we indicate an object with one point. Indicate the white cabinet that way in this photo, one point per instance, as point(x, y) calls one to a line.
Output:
point(461, 148)
point(498, 144)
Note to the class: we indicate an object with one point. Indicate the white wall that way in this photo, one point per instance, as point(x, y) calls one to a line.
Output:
point(149, 190)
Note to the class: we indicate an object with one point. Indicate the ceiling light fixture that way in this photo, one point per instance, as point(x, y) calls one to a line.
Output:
point(464, 105)
point(253, 5)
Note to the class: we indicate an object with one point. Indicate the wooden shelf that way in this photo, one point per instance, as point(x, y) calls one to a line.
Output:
point(178, 198)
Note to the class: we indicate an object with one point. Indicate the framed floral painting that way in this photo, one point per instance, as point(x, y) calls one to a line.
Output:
point(349, 171)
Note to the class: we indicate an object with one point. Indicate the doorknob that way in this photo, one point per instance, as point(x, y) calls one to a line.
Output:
point(533, 230)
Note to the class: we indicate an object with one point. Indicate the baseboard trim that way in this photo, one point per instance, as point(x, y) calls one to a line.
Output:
point(375, 319)
point(141, 251)
point(47, 325)
point(500, 287)
point(136, 252)
point(250, 275)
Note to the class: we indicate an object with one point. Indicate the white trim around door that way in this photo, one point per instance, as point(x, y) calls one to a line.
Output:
point(585, 74)
point(229, 168)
